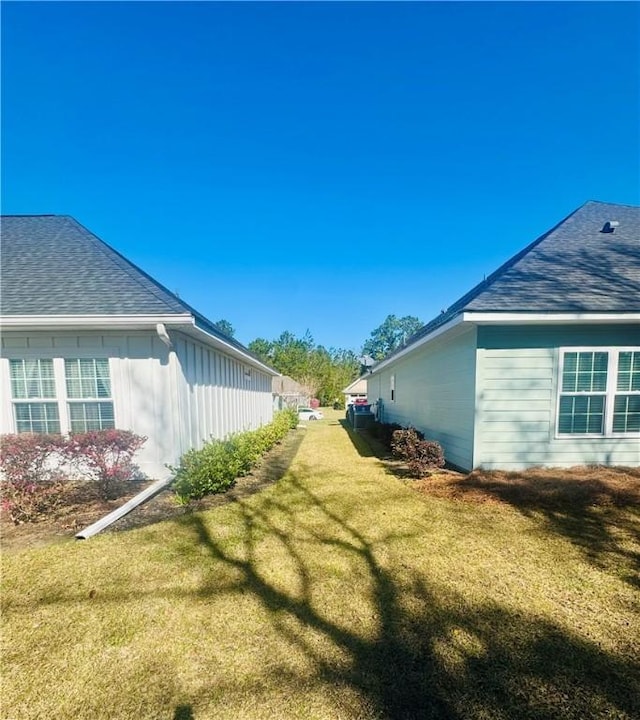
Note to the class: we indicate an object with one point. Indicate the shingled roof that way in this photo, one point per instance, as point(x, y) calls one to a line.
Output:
point(50, 265)
point(573, 268)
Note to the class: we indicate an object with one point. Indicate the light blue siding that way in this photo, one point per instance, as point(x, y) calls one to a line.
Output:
point(435, 393)
point(517, 376)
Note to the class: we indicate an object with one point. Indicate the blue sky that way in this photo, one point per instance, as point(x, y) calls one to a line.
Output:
point(294, 166)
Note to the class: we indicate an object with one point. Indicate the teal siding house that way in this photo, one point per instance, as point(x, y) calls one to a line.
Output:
point(540, 363)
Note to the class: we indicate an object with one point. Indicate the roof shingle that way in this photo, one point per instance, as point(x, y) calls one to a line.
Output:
point(574, 267)
point(51, 265)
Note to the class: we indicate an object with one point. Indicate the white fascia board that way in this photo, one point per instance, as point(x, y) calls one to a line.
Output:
point(91, 322)
point(516, 318)
point(542, 318)
point(454, 322)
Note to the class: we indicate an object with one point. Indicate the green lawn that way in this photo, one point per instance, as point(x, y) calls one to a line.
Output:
point(338, 592)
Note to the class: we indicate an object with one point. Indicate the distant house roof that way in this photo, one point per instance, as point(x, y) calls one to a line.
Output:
point(285, 385)
point(358, 386)
point(574, 267)
point(52, 266)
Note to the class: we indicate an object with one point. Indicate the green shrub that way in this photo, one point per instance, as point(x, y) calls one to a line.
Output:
point(215, 467)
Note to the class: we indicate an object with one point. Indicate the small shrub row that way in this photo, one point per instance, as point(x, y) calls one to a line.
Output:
point(421, 456)
point(36, 468)
point(215, 467)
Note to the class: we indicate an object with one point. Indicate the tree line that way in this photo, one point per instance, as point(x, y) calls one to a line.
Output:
point(325, 372)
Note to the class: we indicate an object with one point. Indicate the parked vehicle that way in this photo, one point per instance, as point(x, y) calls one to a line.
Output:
point(307, 413)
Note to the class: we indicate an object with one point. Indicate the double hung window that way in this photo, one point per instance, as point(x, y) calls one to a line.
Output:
point(33, 389)
point(89, 394)
point(55, 395)
point(599, 392)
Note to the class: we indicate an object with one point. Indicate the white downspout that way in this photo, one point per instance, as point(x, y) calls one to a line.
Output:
point(109, 519)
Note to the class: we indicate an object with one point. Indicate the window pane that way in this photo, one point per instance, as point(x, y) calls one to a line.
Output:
point(16, 371)
point(628, 371)
point(91, 416)
point(87, 378)
point(585, 372)
point(626, 413)
point(37, 417)
point(32, 379)
point(580, 414)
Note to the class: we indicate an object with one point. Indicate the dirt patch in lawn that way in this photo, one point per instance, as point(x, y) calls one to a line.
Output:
point(81, 507)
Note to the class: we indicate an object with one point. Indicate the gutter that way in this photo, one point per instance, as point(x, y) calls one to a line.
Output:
point(512, 318)
point(90, 322)
point(184, 321)
point(123, 510)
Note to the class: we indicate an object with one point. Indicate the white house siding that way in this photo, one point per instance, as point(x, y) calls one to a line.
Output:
point(217, 394)
point(435, 393)
point(517, 386)
point(177, 399)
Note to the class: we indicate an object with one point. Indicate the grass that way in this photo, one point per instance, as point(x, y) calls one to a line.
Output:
point(338, 592)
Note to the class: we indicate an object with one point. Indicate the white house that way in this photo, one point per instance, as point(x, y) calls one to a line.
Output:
point(357, 390)
point(90, 341)
point(540, 363)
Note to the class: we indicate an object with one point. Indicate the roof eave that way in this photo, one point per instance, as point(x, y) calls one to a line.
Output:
point(196, 331)
point(551, 318)
point(184, 322)
point(92, 322)
point(513, 318)
point(445, 328)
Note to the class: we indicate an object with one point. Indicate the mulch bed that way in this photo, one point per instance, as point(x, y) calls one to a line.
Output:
point(81, 506)
point(542, 488)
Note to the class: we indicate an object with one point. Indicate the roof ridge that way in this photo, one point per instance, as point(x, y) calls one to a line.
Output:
point(604, 202)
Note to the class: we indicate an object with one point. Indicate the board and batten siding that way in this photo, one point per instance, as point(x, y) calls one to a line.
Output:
point(434, 392)
point(218, 395)
point(517, 389)
point(176, 398)
point(143, 386)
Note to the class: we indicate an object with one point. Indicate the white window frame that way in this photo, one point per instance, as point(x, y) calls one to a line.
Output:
point(609, 394)
point(61, 399)
point(392, 387)
point(27, 400)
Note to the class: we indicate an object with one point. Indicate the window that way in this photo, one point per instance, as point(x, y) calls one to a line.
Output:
point(393, 388)
point(55, 395)
point(599, 392)
point(626, 407)
point(88, 379)
point(32, 382)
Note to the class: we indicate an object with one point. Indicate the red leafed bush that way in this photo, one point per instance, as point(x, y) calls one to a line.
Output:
point(422, 456)
point(35, 468)
point(32, 481)
point(104, 457)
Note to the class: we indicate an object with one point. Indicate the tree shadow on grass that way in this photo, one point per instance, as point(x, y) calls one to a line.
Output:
point(361, 442)
point(431, 653)
point(596, 508)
